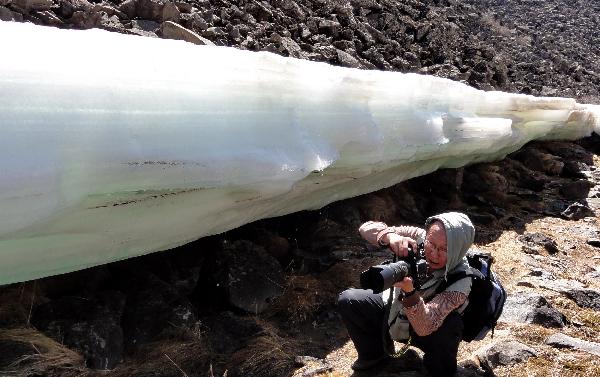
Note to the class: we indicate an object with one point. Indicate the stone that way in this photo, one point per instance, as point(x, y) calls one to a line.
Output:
point(109, 10)
point(540, 161)
point(252, 278)
point(91, 325)
point(532, 308)
point(576, 190)
point(8, 15)
point(171, 30)
point(504, 353)
point(584, 297)
point(170, 12)
point(563, 341)
point(48, 18)
point(594, 242)
point(577, 211)
point(575, 169)
point(539, 239)
point(31, 5)
point(154, 309)
point(347, 60)
point(329, 28)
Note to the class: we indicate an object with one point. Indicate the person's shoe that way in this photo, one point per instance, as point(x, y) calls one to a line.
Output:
point(361, 364)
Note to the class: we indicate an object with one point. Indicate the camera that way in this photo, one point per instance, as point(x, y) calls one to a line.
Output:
point(383, 276)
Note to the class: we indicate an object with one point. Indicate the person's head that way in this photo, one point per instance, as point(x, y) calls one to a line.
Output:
point(436, 245)
point(449, 236)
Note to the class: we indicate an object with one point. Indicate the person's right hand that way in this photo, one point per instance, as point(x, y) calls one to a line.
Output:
point(399, 244)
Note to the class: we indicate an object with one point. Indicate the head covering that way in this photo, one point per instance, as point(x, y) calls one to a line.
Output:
point(460, 234)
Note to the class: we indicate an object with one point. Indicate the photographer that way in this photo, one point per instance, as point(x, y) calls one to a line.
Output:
point(427, 319)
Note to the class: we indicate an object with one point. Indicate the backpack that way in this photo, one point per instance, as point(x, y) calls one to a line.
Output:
point(486, 299)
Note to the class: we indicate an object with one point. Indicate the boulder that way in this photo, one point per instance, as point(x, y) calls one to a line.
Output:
point(504, 353)
point(91, 325)
point(576, 190)
point(31, 5)
point(563, 341)
point(154, 309)
point(8, 15)
point(577, 211)
point(252, 278)
point(171, 30)
point(532, 308)
point(534, 240)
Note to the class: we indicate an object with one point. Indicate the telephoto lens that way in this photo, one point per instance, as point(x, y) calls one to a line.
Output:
point(381, 277)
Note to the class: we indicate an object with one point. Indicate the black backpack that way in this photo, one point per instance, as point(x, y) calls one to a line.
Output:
point(486, 299)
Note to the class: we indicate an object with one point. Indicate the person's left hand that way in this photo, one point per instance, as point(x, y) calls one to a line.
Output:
point(406, 285)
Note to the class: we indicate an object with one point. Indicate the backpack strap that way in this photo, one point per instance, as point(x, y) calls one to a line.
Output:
point(451, 279)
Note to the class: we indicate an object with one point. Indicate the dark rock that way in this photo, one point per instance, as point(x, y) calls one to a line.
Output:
point(577, 211)
point(252, 278)
point(229, 332)
point(329, 27)
point(504, 353)
point(586, 298)
point(574, 169)
point(540, 161)
point(154, 308)
point(594, 242)
point(89, 325)
point(539, 239)
point(576, 190)
point(8, 15)
point(563, 341)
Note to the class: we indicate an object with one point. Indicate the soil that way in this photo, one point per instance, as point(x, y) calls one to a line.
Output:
point(168, 314)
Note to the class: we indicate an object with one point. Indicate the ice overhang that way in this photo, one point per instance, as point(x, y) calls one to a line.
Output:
point(115, 146)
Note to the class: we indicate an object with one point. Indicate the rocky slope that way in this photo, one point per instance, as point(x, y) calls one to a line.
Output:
point(260, 300)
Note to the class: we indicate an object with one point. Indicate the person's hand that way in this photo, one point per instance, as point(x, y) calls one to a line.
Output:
point(399, 244)
point(406, 285)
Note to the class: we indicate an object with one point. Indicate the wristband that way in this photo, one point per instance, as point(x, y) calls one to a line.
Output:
point(408, 294)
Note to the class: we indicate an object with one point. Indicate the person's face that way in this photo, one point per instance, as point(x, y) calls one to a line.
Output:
point(436, 246)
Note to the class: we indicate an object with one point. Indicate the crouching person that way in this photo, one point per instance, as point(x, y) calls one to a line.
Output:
point(428, 318)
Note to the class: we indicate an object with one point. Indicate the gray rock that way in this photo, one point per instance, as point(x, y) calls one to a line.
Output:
point(170, 12)
point(171, 30)
point(109, 10)
point(31, 5)
point(347, 60)
point(504, 353)
point(531, 308)
point(577, 211)
point(586, 298)
point(8, 15)
point(563, 341)
point(560, 285)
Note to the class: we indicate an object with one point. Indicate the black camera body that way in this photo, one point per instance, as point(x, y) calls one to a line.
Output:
point(383, 276)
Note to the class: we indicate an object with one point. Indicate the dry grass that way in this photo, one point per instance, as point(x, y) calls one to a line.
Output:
point(302, 298)
point(49, 359)
point(268, 355)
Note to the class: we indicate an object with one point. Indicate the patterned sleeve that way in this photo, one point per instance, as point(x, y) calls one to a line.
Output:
point(373, 231)
point(426, 318)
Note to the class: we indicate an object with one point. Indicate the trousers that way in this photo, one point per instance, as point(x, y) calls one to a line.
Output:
point(363, 313)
